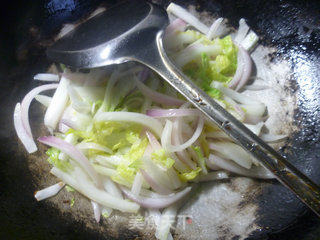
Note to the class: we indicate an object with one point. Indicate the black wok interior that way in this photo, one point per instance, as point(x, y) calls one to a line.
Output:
point(27, 27)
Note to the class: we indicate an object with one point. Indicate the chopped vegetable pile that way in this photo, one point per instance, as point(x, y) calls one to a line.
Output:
point(126, 144)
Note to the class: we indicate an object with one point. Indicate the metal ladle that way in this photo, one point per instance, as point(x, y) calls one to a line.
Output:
point(133, 31)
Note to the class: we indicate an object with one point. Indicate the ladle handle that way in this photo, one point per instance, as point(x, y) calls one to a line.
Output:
point(285, 172)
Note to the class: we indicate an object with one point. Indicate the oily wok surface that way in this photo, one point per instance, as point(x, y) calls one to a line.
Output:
point(289, 30)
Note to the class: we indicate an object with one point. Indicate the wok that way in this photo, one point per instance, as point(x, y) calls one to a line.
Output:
point(290, 28)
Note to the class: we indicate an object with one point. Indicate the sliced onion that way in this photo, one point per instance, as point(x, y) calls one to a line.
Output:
point(49, 191)
point(168, 217)
point(43, 99)
point(213, 176)
point(69, 124)
point(158, 188)
point(255, 172)
point(25, 104)
point(112, 188)
point(194, 51)
point(238, 97)
point(214, 29)
point(75, 154)
point(65, 29)
point(176, 135)
point(236, 107)
point(188, 143)
point(158, 97)
point(96, 211)
point(232, 151)
point(237, 76)
point(176, 25)
point(242, 31)
point(139, 118)
point(256, 129)
point(159, 174)
point(251, 119)
point(272, 138)
point(187, 17)
point(21, 131)
point(153, 141)
point(105, 171)
point(113, 159)
point(47, 77)
point(93, 146)
point(79, 181)
point(156, 203)
point(161, 113)
point(218, 135)
point(137, 184)
point(247, 69)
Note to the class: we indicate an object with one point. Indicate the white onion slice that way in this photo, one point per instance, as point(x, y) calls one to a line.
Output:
point(43, 99)
point(153, 124)
point(23, 135)
point(158, 97)
point(113, 159)
point(218, 135)
point(213, 176)
point(255, 172)
point(165, 113)
point(93, 146)
point(242, 31)
point(251, 119)
point(49, 191)
point(137, 184)
point(187, 17)
point(237, 76)
point(176, 135)
point(153, 141)
point(153, 184)
point(177, 25)
point(214, 29)
point(74, 153)
point(96, 211)
point(47, 77)
point(79, 181)
point(72, 139)
point(112, 188)
point(157, 203)
point(57, 105)
point(168, 217)
point(272, 138)
point(194, 51)
point(188, 143)
point(158, 174)
point(233, 152)
point(247, 69)
point(25, 104)
point(256, 129)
